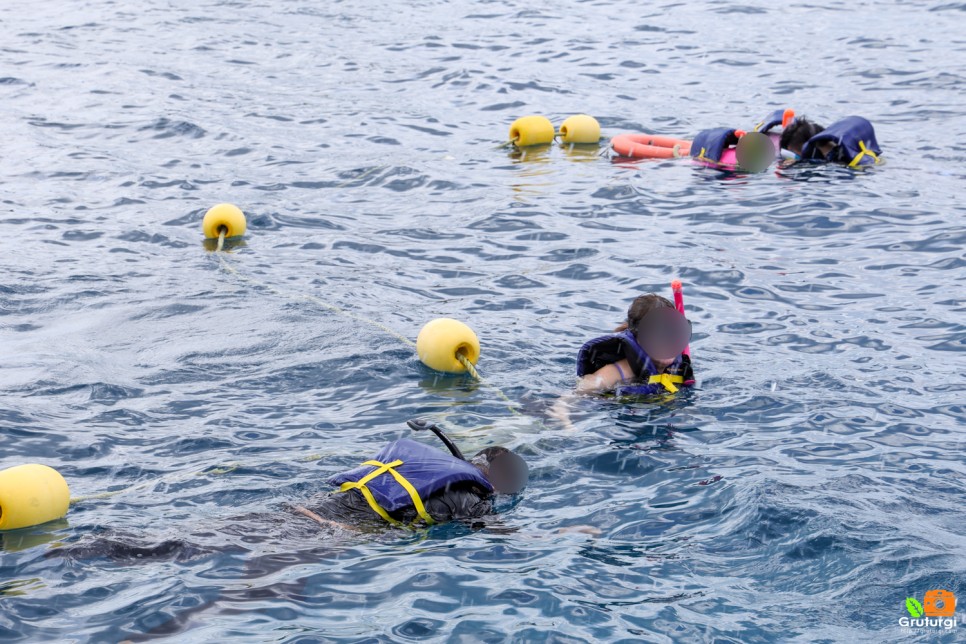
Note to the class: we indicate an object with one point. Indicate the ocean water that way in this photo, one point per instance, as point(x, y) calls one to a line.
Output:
point(810, 483)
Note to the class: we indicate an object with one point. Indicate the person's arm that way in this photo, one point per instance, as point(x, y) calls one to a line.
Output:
point(605, 378)
point(325, 523)
point(560, 411)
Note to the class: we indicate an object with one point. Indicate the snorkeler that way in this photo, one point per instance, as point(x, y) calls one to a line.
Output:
point(850, 141)
point(408, 482)
point(645, 355)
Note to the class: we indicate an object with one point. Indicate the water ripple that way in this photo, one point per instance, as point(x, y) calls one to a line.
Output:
point(816, 464)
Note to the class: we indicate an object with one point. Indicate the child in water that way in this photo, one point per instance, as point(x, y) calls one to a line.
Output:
point(647, 354)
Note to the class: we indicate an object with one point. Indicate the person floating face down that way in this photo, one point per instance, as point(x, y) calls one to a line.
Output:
point(850, 141)
point(409, 483)
point(646, 355)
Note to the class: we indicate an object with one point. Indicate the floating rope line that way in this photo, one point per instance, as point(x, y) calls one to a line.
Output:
point(226, 221)
point(172, 478)
point(476, 374)
point(463, 360)
point(468, 365)
point(315, 300)
point(175, 477)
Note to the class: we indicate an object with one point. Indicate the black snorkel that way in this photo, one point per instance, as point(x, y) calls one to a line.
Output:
point(419, 424)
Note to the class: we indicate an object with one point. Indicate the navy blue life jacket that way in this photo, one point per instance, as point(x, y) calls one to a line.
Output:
point(425, 469)
point(709, 144)
point(770, 122)
point(608, 349)
point(854, 141)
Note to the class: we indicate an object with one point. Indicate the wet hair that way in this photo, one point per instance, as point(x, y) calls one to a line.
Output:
point(640, 307)
point(798, 132)
point(505, 471)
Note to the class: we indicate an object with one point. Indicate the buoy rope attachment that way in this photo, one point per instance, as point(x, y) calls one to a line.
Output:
point(463, 360)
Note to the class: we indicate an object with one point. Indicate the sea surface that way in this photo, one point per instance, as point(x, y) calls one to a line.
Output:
point(811, 482)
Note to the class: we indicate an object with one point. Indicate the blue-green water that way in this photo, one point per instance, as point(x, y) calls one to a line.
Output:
point(811, 482)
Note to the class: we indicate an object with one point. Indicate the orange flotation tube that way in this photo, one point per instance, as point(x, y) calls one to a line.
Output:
point(650, 146)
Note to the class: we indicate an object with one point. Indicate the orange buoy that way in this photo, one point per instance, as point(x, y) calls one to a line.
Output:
point(650, 146)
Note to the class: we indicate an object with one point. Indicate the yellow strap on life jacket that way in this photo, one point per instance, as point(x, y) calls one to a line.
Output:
point(382, 468)
point(863, 151)
point(667, 380)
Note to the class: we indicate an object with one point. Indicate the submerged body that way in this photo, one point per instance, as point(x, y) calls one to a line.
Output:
point(459, 502)
point(407, 483)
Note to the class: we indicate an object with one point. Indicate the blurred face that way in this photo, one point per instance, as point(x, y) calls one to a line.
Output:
point(663, 334)
point(505, 471)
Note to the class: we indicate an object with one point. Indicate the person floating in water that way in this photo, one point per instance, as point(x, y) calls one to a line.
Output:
point(850, 141)
point(645, 355)
point(408, 483)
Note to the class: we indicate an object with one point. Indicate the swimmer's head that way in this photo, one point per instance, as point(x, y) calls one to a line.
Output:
point(663, 334)
point(660, 329)
point(797, 133)
point(505, 471)
point(641, 306)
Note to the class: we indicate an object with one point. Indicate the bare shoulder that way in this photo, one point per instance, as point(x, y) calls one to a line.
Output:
point(604, 379)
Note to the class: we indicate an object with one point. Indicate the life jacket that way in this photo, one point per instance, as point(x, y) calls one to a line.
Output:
point(404, 473)
point(709, 144)
point(771, 121)
point(773, 125)
point(608, 349)
point(854, 141)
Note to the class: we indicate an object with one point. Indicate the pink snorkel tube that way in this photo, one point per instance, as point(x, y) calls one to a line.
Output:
point(679, 305)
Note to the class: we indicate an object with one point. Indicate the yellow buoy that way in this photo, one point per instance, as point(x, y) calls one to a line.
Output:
point(30, 495)
point(580, 128)
point(226, 216)
point(531, 130)
point(440, 340)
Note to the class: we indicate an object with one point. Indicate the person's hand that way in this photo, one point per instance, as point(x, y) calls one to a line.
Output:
point(581, 529)
point(560, 411)
point(325, 523)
